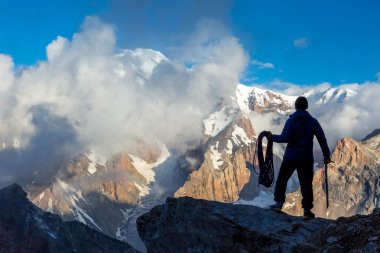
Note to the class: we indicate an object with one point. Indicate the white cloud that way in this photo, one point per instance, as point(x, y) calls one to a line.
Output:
point(302, 42)
point(107, 99)
point(249, 79)
point(6, 72)
point(378, 76)
point(263, 65)
point(356, 117)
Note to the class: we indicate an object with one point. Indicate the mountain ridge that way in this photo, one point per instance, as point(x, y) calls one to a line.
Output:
point(124, 184)
point(221, 127)
point(26, 228)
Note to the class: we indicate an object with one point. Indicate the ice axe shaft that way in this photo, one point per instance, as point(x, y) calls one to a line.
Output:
point(327, 187)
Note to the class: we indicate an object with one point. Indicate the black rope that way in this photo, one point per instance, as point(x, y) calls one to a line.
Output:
point(266, 173)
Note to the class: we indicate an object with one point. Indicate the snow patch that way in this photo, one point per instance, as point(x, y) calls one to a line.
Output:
point(242, 97)
point(95, 159)
point(41, 196)
point(263, 200)
point(239, 137)
point(309, 93)
point(146, 169)
point(74, 196)
point(71, 192)
point(120, 235)
point(334, 95)
point(229, 147)
point(79, 213)
point(216, 156)
point(144, 190)
point(218, 121)
point(50, 206)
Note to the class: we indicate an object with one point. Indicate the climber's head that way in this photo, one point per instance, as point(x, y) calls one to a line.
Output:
point(301, 103)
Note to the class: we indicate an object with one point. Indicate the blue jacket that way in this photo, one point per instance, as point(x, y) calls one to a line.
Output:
point(298, 132)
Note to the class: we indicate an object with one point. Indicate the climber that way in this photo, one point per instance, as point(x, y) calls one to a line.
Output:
point(298, 132)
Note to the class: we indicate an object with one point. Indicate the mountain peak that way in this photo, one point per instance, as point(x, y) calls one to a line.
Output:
point(142, 60)
point(263, 100)
point(25, 228)
point(374, 133)
point(333, 94)
point(13, 191)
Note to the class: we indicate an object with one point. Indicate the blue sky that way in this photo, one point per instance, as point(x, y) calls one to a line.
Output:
point(297, 41)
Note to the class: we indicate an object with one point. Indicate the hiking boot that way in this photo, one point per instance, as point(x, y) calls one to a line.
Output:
point(308, 214)
point(276, 207)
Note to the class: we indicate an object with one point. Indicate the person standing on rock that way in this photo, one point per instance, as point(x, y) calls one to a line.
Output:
point(299, 132)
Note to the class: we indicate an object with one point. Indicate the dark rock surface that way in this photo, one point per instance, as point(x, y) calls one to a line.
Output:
point(26, 228)
point(372, 134)
point(359, 233)
point(189, 225)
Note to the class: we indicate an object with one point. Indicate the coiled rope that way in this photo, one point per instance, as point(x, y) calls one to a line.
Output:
point(266, 173)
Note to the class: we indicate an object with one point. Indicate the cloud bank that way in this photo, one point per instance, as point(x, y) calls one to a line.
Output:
point(106, 99)
point(355, 116)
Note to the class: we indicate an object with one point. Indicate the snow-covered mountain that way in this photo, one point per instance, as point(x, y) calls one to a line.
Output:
point(259, 100)
point(330, 96)
point(140, 60)
point(100, 193)
point(109, 193)
point(26, 228)
point(264, 100)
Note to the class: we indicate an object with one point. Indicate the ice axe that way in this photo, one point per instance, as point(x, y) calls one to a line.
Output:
point(327, 186)
point(327, 182)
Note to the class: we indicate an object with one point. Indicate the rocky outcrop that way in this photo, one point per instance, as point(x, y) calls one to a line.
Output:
point(76, 193)
point(263, 101)
point(359, 233)
point(26, 228)
point(96, 192)
point(224, 172)
point(189, 225)
point(354, 184)
point(268, 101)
point(372, 134)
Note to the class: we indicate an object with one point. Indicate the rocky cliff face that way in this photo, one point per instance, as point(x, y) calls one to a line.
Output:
point(223, 172)
point(26, 228)
point(354, 185)
point(75, 191)
point(99, 193)
point(189, 225)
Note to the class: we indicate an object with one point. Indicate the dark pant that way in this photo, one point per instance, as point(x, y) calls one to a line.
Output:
point(305, 175)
